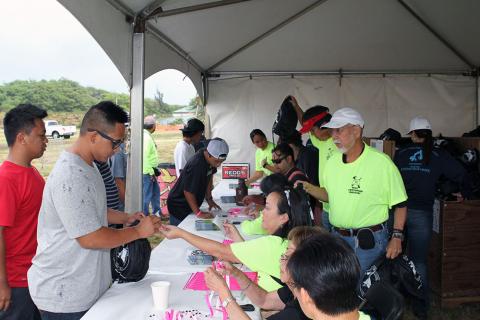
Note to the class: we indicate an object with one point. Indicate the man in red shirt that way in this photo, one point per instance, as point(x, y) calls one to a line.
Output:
point(21, 189)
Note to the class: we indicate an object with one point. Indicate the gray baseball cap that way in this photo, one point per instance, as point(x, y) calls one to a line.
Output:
point(218, 148)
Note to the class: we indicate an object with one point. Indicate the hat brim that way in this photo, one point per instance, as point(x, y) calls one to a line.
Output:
point(335, 124)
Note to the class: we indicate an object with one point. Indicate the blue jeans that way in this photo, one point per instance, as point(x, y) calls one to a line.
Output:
point(151, 194)
point(326, 221)
point(61, 316)
point(419, 233)
point(21, 306)
point(368, 257)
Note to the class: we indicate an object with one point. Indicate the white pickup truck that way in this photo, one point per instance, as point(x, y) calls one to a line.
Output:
point(56, 130)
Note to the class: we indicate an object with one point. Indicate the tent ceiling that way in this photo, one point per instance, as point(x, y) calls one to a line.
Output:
point(352, 35)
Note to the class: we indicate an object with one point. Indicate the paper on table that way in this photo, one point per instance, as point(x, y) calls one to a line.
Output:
point(197, 281)
point(218, 220)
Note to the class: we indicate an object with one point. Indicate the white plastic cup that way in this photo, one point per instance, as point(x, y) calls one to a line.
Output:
point(160, 291)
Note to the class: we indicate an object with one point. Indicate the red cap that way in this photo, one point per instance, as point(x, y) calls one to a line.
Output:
point(308, 124)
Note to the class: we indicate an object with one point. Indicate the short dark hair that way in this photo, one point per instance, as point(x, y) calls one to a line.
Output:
point(295, 138)
point(103, 116)
point(256, 132)
point(314, 111)
point(296, 204)
point(21, 118)
point(327, 268)
point(284, 149)
point(272, 182)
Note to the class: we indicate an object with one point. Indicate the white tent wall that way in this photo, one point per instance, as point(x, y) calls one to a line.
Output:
point(238, 105)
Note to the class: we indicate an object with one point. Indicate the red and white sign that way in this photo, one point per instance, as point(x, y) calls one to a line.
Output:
point(235, 170)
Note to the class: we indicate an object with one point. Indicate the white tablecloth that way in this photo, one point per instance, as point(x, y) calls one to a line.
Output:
point(134, 301)
point(168, 262)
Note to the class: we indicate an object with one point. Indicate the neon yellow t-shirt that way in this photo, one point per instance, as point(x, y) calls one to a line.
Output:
point(262, 255)
point(150, 156)
point(253, 227)
point(262, 154)
point(326, 149)
point(363, 316)
point(360, 193)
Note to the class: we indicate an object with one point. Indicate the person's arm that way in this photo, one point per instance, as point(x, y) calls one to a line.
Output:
point(192, 202)
point(120, 182)
point(258, 296)
point(232, 232)
point(394, 247)
point(107, 238)
point(214, 248)
point(317, 192)
point(257, 175)
point(298, 110)
point(119, 217)
point(5, 291)
point(216, 283)
point(211, 203)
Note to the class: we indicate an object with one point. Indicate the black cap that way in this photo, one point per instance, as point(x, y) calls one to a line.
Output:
point(193, 125)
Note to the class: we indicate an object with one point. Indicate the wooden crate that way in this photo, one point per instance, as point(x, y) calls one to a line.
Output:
point(386, 146)
point(454, 257)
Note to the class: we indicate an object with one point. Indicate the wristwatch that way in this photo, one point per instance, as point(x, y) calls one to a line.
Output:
point(398, 234)
point(227, 301)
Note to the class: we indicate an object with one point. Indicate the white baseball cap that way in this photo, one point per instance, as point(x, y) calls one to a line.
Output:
point(345, 116)
point(419, 123)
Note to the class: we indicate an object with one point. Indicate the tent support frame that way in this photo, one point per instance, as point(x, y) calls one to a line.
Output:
point(158, 12)
point(268, 33)
point(437, 35)
point(216, 75)
point(134, 183)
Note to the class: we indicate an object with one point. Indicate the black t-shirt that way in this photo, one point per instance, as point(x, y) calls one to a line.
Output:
point(194, 179)
point(292, 310)
point(307, 161)
point(420, 180)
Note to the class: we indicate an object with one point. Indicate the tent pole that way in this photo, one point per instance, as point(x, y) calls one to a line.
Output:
point(134, 192)
point(477, 98)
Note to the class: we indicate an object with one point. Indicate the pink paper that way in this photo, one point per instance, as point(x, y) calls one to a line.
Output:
point(235, 211)
point(227, 241)
point(197, 281)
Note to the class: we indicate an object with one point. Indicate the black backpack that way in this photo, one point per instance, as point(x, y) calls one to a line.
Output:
point(286, 122)
point(130, 261)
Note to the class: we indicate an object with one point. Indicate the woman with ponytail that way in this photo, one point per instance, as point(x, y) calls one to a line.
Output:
point(285, 209)
point(421, 165)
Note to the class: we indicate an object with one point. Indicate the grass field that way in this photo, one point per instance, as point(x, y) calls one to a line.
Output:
point(166, 141)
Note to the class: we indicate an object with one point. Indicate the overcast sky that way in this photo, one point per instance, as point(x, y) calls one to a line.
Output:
point(41, 40)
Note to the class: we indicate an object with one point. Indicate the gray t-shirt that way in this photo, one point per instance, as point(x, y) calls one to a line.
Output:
point(65, 277)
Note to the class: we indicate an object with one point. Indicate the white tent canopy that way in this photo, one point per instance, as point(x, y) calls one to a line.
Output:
point(391, 59)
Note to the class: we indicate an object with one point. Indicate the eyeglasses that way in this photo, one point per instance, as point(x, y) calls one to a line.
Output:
point(277, 161)
point(115, 143)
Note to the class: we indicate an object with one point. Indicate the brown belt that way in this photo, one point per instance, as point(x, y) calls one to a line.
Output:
point(354, 232)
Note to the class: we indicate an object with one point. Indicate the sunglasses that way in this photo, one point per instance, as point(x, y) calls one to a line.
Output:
point(115, 143)
point(277, 161)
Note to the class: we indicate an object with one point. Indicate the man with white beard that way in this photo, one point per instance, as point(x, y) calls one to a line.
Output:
point(361, 184)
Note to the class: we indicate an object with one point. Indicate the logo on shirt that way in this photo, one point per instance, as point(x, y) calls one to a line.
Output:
point(329, 153)
point(355, 187)
point(417, 156)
